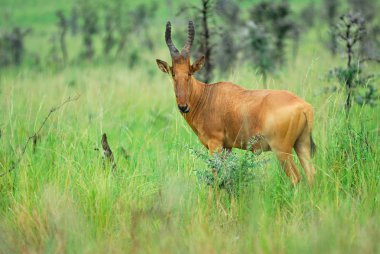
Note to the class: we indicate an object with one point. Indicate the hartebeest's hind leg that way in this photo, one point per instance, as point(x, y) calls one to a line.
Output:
point(303, 148)
point(282, 146)
point(287, 163)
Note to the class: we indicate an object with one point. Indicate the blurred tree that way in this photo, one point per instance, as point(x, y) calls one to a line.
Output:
point(369, 45)
point(206, 44)
point(295, 35)
point(53, 55)
point(73, 21)
point(308, 14)
point(12, 46)
point(227, 45)
point(227, 52)
point(367, 8)
point(5, 50)
point(350, 30)
point(207, 33)
point(307, 17)
point(140, 19)
point(262, 49)
point(88, 13)
point(136, 22)
point(133, 58)
point(229, 11)
point(109, 40)
point(331, 9)
point(17, 43)
point(275, 18)
point(119, 10)
point(62, 26)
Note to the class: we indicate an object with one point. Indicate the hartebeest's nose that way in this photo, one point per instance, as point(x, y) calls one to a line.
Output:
point(184, 108)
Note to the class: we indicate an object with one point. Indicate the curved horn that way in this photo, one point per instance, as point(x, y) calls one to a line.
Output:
point(186, 49)
point(168, 38)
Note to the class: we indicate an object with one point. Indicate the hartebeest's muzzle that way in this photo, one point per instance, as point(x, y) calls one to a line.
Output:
point(184, 108)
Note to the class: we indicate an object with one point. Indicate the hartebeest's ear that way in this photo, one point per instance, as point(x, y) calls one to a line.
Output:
point(164, 67)
point(197, 65)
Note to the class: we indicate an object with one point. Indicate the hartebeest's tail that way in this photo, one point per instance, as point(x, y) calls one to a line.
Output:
point(313, 147)
point(309, 114)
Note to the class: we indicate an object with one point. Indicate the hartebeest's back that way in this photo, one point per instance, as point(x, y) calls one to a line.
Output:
point(226, 116)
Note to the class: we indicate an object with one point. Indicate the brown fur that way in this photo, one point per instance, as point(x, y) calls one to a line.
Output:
point(225, 116)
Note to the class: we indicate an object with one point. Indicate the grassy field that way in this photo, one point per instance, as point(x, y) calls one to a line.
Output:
point(62, 198)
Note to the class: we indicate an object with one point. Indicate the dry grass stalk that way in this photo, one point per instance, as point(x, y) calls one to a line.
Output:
point(107, 151)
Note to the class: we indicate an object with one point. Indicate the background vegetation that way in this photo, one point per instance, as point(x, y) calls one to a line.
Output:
point(63, 197)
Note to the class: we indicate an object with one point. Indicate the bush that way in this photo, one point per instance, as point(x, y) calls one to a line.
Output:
point(227, 170)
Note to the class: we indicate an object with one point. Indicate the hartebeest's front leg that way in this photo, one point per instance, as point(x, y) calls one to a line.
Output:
point(213, 146)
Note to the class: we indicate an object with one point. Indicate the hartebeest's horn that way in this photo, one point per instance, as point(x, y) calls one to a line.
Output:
point(186, 49)
point(168, 38)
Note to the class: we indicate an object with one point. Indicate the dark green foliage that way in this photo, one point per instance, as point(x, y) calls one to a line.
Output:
point(206, 39)
point(262, 49)
point(228, 43)
point(5, 50)
point(229, 11)
point(227, 53)
point(53, 57)
point(134, 58)
point(271, 25)
point(308, 15)
point(109, 40)
point(369, 46)
point(350, 30)
point(307, 19)
point(331, 13)
point(363, 87)
point(227, 170)
point(119, 13)
point(89, 15)
point(219, 26)
point(370, 96)
point(206, 35)
point(140, 18)
point(12, 46)
point(276, 19)
point(62, 27)
point(73, 21)
point(130, 24)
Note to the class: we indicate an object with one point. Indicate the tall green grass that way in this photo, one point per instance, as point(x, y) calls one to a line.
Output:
point(61, 198)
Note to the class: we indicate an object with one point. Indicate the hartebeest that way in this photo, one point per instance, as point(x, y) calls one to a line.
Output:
point(226, 116)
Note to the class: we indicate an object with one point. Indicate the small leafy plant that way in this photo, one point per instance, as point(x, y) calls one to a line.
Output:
point(227, 170)
point(363, 86)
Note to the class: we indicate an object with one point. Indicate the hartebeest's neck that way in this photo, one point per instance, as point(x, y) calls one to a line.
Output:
point(198, 98)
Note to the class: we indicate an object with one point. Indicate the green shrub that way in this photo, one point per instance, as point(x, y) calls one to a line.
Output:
point(227, 170)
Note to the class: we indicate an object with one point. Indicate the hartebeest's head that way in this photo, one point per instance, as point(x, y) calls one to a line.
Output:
point(181, 69)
